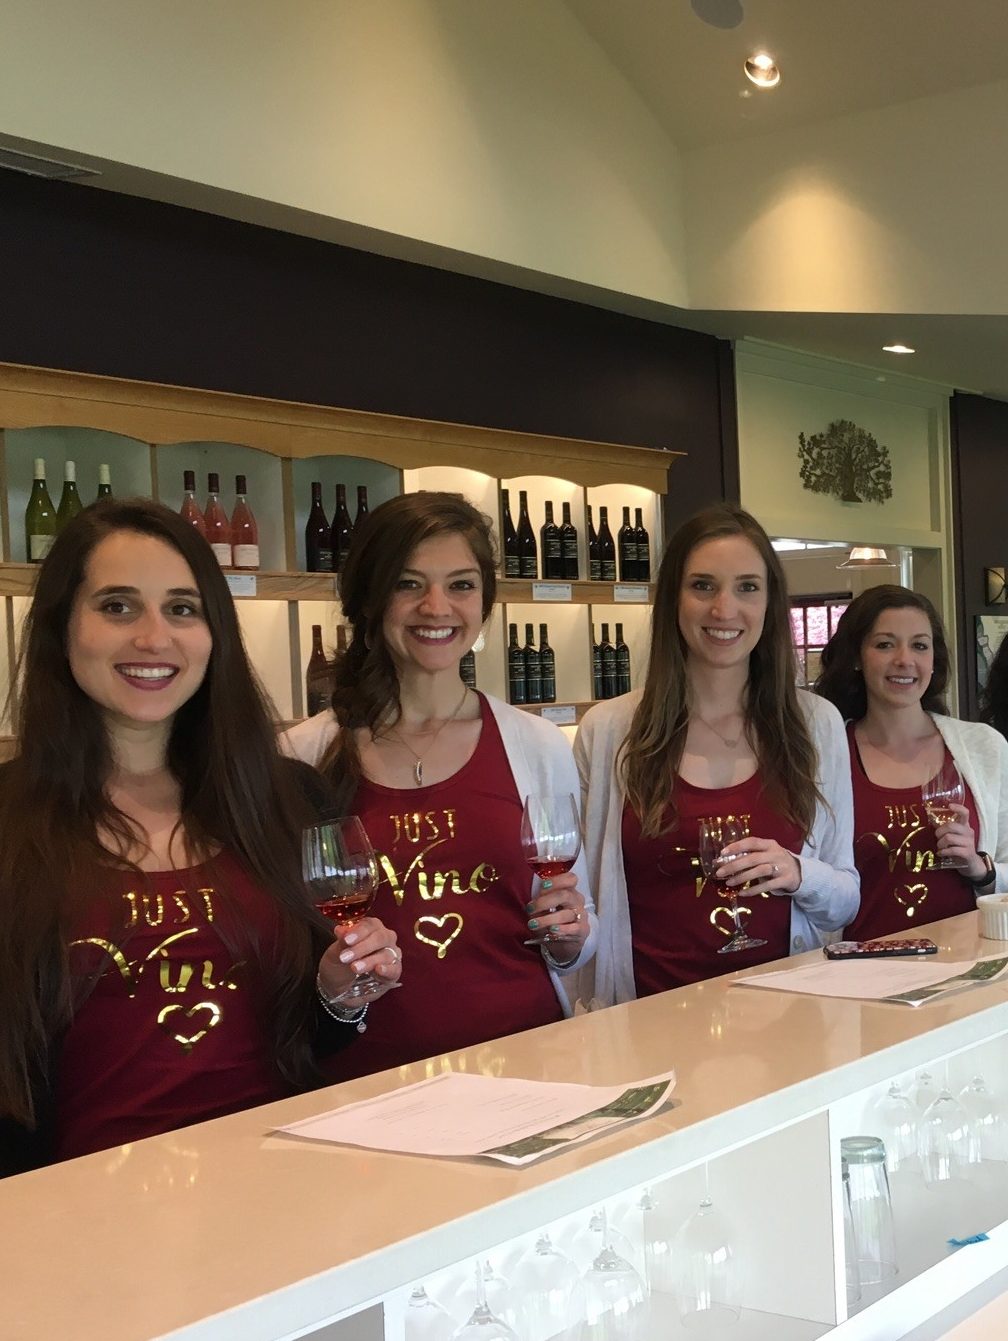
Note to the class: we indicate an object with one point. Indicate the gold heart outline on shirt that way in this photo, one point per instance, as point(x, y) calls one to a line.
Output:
point(440, 945)
point(731, 928)
point(187, 1040)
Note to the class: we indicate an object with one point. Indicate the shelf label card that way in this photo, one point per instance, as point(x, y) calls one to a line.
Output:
point(241, 584)
point(561, 714)
point(552, 591)
point(627, 593)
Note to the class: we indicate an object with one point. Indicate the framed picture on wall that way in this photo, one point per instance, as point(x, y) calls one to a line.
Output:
point(990, 629)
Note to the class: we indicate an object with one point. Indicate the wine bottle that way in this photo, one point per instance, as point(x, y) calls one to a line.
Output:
point(569, 546)
point(244, 530)
point(626, 548)
point(40, 517)
point(342, 530)
point(607, 548)
point(318, 546)
point(318, 683)
point(549, 546)
point(533, 668)
point(516, 667)
point(362, 507)
point(190, 509)
point(607, 654)
point(104, 483)
point(594, 559)
point(69, 504)
point(509, 538)
point(622, 663)
point(547, 666)
point(528, 565)
point(643, 549)
point(218, 532)
point(467, 669)
point(596, 666)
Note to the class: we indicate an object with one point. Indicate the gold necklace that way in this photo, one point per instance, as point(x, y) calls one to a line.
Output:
point(732, 744)
point(419, 758)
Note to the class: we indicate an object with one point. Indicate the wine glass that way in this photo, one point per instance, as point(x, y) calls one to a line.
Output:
point(484, 1325)
point(706, 1273)
point(425, 1319)
point(939, 795)
point(714, 836)
point(988, 1119)
point(948, 1139)
point(550, 841)
point(340, 872)
point(925, 1090)
point(898, 1117)
point(615, 1296)
point(658, 1264)
point(549, 1285)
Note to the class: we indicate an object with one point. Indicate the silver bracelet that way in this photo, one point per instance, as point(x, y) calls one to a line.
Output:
point(353, 1015)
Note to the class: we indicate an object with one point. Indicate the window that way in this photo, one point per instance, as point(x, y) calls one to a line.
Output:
point(813, 623)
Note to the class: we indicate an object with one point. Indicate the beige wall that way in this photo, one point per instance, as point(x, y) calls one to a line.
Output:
point(495, 130)
point(896, 210)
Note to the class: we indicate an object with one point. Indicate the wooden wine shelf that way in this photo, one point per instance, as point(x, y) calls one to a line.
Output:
point(18, 579)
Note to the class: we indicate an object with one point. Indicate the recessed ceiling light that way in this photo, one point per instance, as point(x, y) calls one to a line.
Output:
point(898, 349)
point(761, 70)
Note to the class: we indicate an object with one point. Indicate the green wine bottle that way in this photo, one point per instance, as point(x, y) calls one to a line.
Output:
point(40, 517)
point(104, 482)
point(69, 504)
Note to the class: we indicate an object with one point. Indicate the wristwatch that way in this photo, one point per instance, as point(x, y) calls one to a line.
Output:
point(989, 874)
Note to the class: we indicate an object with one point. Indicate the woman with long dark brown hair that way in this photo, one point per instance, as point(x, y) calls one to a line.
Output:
point(719, 734)
point(159, 960)
point(439, 774)
point(886, 669)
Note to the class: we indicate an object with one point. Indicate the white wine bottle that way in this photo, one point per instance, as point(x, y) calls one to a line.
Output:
point(40, 517)
point(70, 503)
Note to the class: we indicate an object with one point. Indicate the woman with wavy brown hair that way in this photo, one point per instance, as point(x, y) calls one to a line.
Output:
point(886, 669)
point(439, 773)
point(719, 732)
point(160, 962)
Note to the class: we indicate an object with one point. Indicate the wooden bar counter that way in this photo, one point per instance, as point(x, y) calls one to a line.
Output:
point(225, 1230)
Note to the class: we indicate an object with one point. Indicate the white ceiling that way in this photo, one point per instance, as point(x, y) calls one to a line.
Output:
point(836, 57)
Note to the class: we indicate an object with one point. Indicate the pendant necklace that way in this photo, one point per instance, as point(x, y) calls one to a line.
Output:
point(727, 740)
point(419, 758)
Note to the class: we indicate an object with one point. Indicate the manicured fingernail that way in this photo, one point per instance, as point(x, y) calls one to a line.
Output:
point(530, 907)
point(533, 925)
point(359, 966)
point(547, 884)
point(350, 938)
point(346, 956)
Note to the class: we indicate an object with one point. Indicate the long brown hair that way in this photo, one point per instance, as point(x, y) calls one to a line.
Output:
point(841, 679)
point(366, 691)
point(652, 752)
point(236, 792)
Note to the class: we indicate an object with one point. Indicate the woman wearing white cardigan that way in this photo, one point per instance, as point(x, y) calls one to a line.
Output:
point(718, 732)
point(885, 669)
point(439, 773)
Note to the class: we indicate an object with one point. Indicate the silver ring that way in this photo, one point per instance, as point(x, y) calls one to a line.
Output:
point(396, 953)
point(775, 870)
point(577, 917)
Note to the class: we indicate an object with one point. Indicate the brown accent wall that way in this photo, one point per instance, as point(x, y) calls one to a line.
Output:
point(98, 282)
point(980, 520)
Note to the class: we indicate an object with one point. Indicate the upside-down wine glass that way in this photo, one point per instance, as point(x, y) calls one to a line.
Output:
point(549, 1286)
point(340, 871)
point(615, 1296)
point(939, 795)
point(715, 835)
point(483, 1325)
point(550, 841)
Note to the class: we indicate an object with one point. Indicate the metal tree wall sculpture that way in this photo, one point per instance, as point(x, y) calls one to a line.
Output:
point(845, 461)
